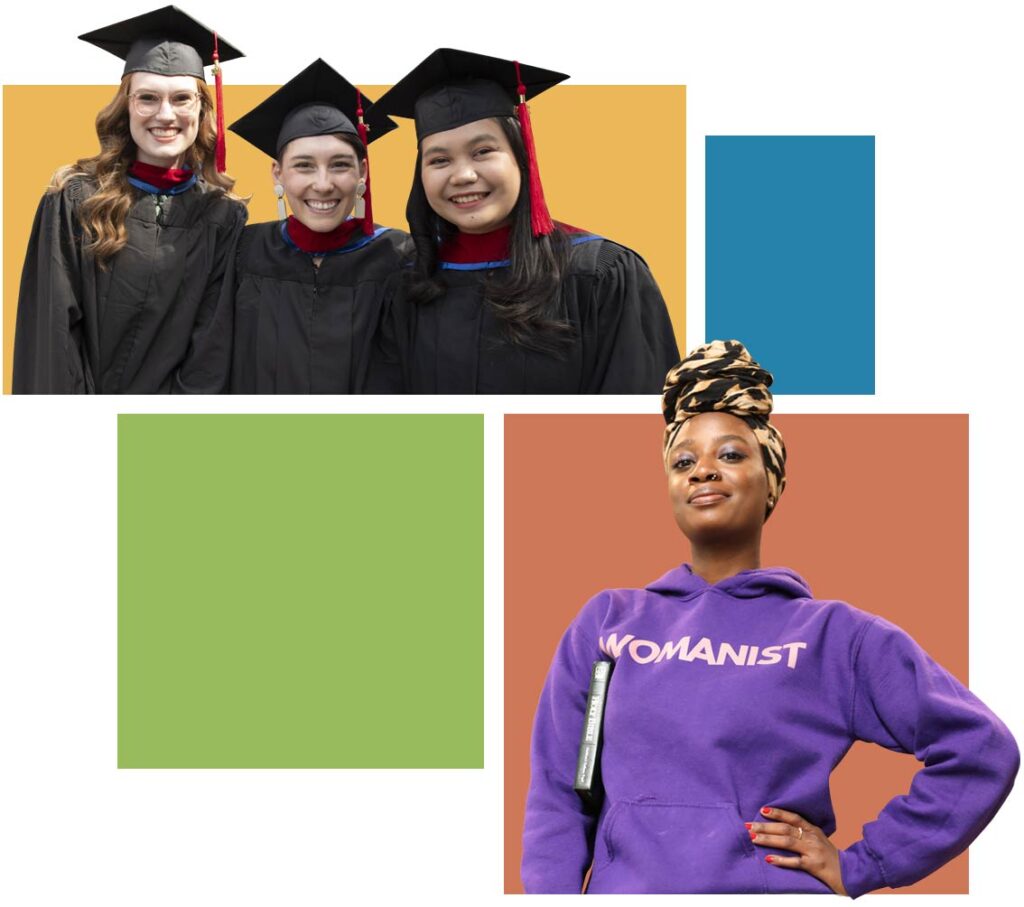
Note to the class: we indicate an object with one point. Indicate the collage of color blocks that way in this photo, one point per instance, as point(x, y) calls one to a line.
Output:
point(307, 649)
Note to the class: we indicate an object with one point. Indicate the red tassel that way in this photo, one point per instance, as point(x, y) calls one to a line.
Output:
point(540, 218)
point(222, 151)
point(363, 130)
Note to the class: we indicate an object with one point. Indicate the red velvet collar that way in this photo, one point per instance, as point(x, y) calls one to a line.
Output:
point(161, 177)
point(313, 242)
point(473, 248)
point(470, 248)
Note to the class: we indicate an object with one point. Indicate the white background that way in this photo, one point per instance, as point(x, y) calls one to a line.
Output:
point(940, 86)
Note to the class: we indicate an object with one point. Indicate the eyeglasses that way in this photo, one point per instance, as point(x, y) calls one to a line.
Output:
point(147, 103)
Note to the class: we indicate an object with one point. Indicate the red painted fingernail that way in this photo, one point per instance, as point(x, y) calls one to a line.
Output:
point(766, 810)
point(768, 859)
point(748, 824)
point(753, 836)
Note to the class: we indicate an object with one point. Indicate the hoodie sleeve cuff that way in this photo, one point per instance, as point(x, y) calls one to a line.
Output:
point(860, 870)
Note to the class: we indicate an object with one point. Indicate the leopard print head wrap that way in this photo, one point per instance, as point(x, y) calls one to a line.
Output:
point(722, 377)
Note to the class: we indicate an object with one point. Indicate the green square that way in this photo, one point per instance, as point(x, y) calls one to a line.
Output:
point(300, 591)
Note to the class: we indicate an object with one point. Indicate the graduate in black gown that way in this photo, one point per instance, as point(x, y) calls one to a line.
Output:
point(310, 288)
point(120, 292)
point(501, 299)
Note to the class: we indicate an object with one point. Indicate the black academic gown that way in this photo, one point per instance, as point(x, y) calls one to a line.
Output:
point(624, 342)
point(151, 321)
point(301, 329)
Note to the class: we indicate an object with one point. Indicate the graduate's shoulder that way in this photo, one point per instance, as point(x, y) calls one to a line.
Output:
point(264, 232)
point(389, 240)
point(261, 246)
point(397, 239)
point(594, 254)
point(220, 207)
point(387, 250)
point(62, 199)
point(70, 186)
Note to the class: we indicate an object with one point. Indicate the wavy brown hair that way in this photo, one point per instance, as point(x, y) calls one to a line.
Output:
point(104, 213)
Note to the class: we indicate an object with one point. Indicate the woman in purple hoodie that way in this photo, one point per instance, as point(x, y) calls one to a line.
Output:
point(735, 693)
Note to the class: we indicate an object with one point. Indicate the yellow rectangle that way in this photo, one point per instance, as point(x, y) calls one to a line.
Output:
point(601, 171)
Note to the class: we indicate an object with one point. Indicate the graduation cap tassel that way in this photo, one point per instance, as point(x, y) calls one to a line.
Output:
point(222, 153)
point(363, 131)
point(540, 218)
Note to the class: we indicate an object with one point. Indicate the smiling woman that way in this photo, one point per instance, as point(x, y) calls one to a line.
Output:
point(717, 484)
point(120, 292)
point(310, 288)
point(163, 117)
point(501, 298)
point(471, 177)
point(735, 693)
point(320, 175)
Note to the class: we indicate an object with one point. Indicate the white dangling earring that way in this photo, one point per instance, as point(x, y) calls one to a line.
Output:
point(359, 210)
point(282, 211)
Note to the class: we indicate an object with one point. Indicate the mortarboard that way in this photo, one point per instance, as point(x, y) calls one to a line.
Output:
point(453, 87)
point(318, 101)
point(169, 42)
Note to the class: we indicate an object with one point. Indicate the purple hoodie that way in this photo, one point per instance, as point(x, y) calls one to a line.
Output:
point(744, 694)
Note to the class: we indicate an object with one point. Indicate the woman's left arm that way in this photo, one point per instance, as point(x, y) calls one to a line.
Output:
point(904, 701)
point(636, 341)
point(207, 364)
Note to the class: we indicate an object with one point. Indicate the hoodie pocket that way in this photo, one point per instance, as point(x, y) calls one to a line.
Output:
point(656, 847)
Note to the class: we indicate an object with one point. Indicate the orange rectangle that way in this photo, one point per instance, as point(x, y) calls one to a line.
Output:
point(866, 517)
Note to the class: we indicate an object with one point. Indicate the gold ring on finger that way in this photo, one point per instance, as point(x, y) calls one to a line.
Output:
point(800, 836)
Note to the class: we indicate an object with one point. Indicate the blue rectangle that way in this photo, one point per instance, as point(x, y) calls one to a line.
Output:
point(790, 256)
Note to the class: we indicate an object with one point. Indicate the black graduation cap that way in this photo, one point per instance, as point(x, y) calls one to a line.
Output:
point(165, 41)
point(169, 42)
point(453, 87)
point(318, 101)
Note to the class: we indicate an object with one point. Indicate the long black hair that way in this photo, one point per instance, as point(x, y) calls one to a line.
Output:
point(525, 296)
